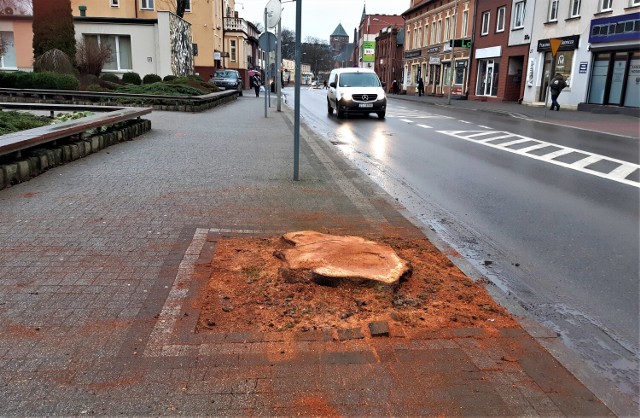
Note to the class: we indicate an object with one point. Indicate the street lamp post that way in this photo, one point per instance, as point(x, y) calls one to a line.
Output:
point(453, 50)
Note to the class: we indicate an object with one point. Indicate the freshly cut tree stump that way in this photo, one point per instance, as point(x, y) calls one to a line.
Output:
point(332, 258)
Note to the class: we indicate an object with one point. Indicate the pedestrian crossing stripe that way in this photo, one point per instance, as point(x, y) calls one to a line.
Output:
point(617, 170)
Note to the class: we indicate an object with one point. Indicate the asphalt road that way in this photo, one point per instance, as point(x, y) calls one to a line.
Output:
point(561, 242)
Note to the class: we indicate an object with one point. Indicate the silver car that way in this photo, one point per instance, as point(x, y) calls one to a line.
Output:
point(227, 80)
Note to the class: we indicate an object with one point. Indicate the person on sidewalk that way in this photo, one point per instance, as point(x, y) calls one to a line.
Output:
point(255, 81)
point(557, 84)
point(420, 87)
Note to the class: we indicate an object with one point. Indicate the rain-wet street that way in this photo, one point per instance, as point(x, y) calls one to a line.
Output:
point(548, 213)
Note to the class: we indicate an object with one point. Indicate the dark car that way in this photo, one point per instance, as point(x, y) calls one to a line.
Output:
point(227, 80)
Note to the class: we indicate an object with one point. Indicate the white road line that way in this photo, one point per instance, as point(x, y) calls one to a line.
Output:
point(485, 127)
point(618, 174)
point(424, 126)
point(517, 141)
point(481, 134)
point(495, 138)
point(406, 120)
point(623, 171)
point(463, 121)
point(533, 148)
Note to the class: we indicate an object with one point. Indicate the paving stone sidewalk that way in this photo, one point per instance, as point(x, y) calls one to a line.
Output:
point(98, 272)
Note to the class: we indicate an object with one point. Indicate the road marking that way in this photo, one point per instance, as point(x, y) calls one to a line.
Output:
point(485, 127)
point(618, 174)
point(424, 126)
point(407, 120)
point(463, 121)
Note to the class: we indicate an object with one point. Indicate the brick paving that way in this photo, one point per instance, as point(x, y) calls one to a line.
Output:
point(97, 267)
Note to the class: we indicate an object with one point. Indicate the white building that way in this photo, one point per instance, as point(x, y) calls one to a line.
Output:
point(583, 68)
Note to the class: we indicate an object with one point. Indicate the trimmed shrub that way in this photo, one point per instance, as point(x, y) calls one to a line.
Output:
point(8, 79)
point(151, 78)
point(95, 87)
point(25, 80)
point(161, 89)
point(45, 80)
point(68, 82)
point(169, 77)
point(131, 78)
point(110, 77)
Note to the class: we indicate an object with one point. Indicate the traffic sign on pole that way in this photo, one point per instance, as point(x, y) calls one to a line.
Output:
point(555, 45)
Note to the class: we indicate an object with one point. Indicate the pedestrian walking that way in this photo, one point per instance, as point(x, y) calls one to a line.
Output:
point(420, 87)
point(255, 81)
point(395, 87)
point(557, 84)
point(325, 85)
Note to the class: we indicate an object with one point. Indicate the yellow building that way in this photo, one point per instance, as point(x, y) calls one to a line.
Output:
point(220, 38)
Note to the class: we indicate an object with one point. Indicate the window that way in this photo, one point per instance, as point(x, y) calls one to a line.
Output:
point(634, 3)
point(465, 23)
point(426, 35)
point(439, 31)
point(447, 28)
point(120, 46)
point(574, 10)
point(605, 5)
point(486, 17)
point(518, 15)
point(408, 38)
point(146, 4)
point(115, 3)
point(502, 11)
point(553, 11)
point(232, 49)
point(433, 32)
point(8, 60)
point(416, 39)
point(187, 6)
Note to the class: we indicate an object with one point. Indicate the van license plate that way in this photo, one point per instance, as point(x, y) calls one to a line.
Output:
point(365, 105)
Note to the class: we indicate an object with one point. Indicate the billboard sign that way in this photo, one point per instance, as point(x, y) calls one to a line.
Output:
point(368, 51)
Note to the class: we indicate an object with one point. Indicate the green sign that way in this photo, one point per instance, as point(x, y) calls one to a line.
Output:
point(368, 51)
point(460, 43)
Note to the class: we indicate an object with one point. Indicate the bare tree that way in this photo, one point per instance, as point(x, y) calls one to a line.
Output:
point(92, 57)
point(176, 6)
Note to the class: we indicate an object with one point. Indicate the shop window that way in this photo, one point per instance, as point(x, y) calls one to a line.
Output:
point(459, 75)
point(8, 59)
point(500, 19)
point(486, 17)
point(518, 15)
point(598, 81)
point(553, 11)
point(632, 95)
point(574, 8)
point(120, 46)
point(487, 83)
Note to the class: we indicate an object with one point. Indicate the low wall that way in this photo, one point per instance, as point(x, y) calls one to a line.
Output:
point(34, 161)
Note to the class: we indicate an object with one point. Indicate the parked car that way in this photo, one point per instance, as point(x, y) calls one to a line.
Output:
point(227, 80)
point(356, 90)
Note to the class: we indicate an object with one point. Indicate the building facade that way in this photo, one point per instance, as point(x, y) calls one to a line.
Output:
point(389, 49)
point(364, 55)
point(437, 42)
point(500, 49)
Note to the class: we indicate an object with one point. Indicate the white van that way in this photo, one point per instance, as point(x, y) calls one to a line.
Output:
point(356, 90)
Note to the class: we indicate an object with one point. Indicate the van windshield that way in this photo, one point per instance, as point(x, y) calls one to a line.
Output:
point(359, 80)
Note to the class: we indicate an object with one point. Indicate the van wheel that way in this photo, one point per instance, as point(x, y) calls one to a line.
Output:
point(329, 108)
point(340, 114)
point(240, 93)
point(382, 114)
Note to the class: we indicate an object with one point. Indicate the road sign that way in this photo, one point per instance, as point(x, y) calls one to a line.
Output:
point(267, 41)
point(555, 45)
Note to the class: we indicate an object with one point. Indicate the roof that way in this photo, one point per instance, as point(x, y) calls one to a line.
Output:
point(345, 54)
point(339, 31)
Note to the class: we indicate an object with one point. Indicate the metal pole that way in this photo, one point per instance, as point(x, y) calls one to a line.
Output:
point(296, 125)
point(279, 66)
point(266, 70)
point(453, 51)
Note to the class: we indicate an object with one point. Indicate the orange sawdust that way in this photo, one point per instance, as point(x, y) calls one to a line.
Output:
point(250, 291)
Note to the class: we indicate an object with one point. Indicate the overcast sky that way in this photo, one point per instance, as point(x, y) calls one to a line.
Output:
point(321, 17)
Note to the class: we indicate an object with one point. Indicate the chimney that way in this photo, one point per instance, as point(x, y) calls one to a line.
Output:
point(83, 10)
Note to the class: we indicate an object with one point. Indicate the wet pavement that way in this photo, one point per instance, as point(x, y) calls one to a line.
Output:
point(101, 262)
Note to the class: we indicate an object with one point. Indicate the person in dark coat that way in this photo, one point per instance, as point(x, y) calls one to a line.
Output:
point(255, 81)
point(420, 87)
point(556, 86)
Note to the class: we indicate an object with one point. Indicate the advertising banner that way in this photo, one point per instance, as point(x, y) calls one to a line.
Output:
point(368, 51)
